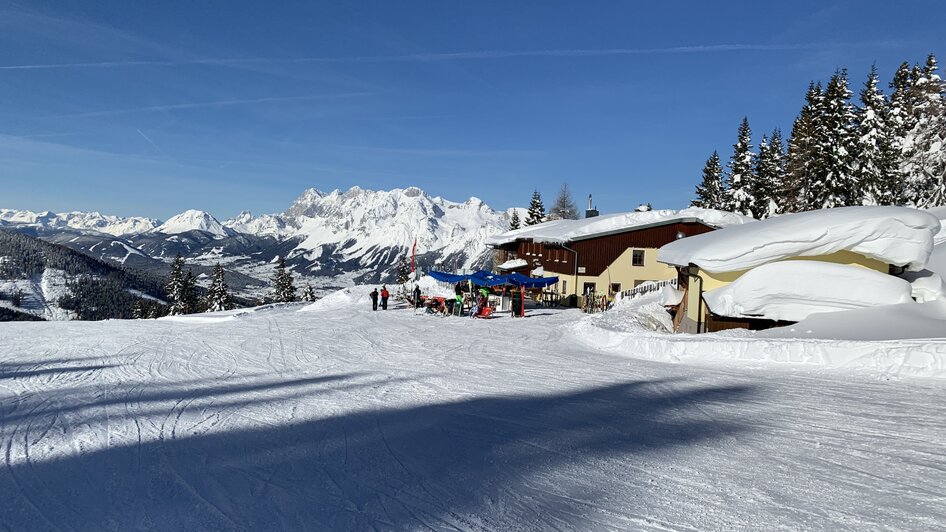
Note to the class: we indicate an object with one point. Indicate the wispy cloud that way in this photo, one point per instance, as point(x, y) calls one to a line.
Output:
point(216, 103)
point(441, 56)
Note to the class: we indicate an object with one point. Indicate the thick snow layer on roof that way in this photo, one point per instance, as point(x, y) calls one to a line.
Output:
point(513, 264)
point(561, 231)
point(889, 322)
point(939, 212)
point(895, 235)
point(795, 289)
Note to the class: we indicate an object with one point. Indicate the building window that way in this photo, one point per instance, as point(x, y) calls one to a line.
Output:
point(637, 257)
point(615, 288)
point(589, 288)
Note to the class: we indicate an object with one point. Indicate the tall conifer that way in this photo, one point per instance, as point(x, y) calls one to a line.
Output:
point(710, 193)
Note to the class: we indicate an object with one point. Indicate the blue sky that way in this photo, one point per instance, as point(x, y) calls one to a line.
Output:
point(151, 108)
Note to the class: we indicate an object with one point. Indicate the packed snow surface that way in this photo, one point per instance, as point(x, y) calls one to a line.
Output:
point(895, 235)
point(792, 290)
point(348, 419)
point(561, 231)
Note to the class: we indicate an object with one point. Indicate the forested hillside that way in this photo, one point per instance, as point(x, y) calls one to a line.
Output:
point(40, 278)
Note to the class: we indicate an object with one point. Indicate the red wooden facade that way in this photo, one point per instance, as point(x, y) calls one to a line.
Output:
point(597, 253)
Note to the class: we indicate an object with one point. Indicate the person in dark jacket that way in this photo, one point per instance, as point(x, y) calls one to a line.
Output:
point(384, 297)
point(374, 299)
point(416, 296)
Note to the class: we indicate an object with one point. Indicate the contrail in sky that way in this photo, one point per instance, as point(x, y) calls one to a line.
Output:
point(441, 56)
point(140, 132)
point(218, 103)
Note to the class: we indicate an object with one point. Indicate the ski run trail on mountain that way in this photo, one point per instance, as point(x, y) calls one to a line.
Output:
point(346, 419)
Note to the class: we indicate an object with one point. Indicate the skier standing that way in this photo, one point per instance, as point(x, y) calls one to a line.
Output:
point(416, 296)
point(374, 299)
point(384, 297)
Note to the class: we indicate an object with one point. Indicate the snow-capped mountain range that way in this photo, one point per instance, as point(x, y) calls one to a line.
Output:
point(356, 234)
point(91, 221)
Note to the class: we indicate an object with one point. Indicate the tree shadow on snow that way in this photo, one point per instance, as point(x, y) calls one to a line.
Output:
point(483, 463)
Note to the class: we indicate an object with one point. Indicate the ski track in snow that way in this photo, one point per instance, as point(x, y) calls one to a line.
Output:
point(351, 419)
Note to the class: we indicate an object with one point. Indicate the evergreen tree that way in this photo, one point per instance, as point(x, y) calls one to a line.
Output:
point(191, 300)
point(710, 193)
point(283, 289)
point(177, 288)
point(218, 295)
point(403, 271)
point(803, 153)
point(739, 185)
point(308, 294)
point(514, 220)
point(536, 210)
point(872, 173)
point(564, 207)
point(832, 183)
point(138, 310)
point(769, 176)
point(924, 146)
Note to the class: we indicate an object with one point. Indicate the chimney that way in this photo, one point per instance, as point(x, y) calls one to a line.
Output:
point(590, 212)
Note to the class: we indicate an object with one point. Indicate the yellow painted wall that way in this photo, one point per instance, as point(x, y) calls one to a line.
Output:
point(620, 271)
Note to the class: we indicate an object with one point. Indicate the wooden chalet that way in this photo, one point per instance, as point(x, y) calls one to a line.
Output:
point(604, 255)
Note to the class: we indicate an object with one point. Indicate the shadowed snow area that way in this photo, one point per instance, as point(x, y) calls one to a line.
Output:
point(339, 418)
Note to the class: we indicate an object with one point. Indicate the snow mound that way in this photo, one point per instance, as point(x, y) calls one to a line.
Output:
point(927, 286)
point(889, 341)
point(561, 231)
point(638, 314)
point(355, 297)
point(904, 321)
point(432, 287)
point(795, 289)
point(894, 235)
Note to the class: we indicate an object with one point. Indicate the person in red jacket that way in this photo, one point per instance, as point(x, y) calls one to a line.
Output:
point(384, 297)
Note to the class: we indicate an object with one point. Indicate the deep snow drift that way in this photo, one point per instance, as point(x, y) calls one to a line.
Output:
point(339, 418)
point(894, 235)
point(793, 290)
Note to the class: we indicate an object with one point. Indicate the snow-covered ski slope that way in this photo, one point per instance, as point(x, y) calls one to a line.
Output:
point(344, 419)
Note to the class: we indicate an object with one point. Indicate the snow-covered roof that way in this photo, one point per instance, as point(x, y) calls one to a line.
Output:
point(562, 231)
point(513, 264)
point(792, 290)
point(894, 235)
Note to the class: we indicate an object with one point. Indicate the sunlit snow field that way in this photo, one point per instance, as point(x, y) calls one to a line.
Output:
point(340, 418)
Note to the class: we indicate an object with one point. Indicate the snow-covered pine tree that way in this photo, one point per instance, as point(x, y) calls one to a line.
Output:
point(403, 271)
point(564, 207)
point(218, 295)
point(138, 310)
point(803, 154)
point(739, 180)
point(284, 291)
point(873, 152)
point(308, 294)
point(833, 182)
point(536, 210)
point(924, 146)
point(710, 193)
point(514, 222)
point(176, 287)
point(769, 176)
point(191, 299)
